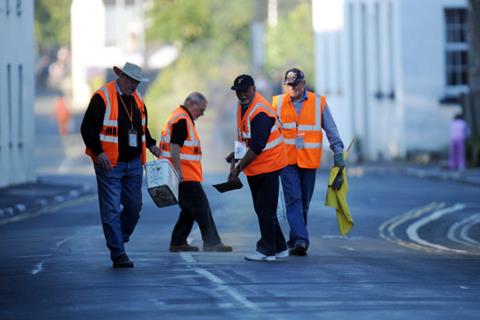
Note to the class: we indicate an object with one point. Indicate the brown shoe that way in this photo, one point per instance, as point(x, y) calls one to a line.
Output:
point(183, 247)
point(218, 248)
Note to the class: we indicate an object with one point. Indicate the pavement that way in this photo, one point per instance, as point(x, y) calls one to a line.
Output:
point(22, 201)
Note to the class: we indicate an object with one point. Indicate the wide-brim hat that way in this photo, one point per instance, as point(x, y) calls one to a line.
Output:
point(131, 70)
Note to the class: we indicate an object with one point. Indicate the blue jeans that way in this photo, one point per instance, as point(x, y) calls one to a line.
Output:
point(298, 185)
point(120, 200)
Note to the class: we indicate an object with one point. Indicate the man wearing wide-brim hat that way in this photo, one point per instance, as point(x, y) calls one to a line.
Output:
point(116, 136)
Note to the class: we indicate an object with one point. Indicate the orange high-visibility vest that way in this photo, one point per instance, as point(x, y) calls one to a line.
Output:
point(305, 127)
point(109, 132)
point(273, 157)
point(190, 153)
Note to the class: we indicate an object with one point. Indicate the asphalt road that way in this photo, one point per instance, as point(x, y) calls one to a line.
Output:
point(412, 254)
point(56, 266)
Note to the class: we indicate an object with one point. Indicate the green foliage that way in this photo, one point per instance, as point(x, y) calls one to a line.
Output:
point(179, 20)
point(291, 42)
point(52, 23)
point(214, 37)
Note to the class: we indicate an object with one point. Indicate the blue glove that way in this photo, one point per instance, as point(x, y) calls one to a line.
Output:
point(338, 160)
point(338, 181)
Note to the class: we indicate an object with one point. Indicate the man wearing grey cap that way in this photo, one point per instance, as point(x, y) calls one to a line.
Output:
point(116, 136)
point(302, 116)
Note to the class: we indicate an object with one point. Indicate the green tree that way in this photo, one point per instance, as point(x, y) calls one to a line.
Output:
point(52, 24)
point(290, 43)
point(214, 39)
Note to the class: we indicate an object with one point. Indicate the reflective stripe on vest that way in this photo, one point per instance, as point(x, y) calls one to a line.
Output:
point(190, 152)
point(188, 142)
point(273, 156)
point(247, 135)
point(108, 110)
point(108, 138)
point(183, 156)
point(292, 125)
point(108, 134)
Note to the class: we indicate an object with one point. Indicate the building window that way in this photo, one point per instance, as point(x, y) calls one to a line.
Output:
point(20, 105)
point(456, 51)
point(9, 104)
point(19, 7)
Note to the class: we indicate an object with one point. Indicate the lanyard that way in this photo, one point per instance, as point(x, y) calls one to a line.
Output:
point(130, 115)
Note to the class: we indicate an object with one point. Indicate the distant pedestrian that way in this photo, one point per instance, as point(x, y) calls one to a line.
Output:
point(62, 115)
point(115, 132)
point(180, 144)
point(459, 133)
point(263, 154)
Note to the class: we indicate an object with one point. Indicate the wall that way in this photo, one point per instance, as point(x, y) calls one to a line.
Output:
point(16, 92)
point(382, 64)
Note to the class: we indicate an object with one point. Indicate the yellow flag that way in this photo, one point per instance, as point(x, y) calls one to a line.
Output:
point(338, 198)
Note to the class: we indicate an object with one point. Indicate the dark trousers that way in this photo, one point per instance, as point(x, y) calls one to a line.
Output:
point(264, 189)
point(194, 206)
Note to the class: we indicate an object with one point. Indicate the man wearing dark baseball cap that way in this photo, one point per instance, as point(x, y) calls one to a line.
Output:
point(302, 116)
point(242, 82)
point(261, 151)
point(293, 77)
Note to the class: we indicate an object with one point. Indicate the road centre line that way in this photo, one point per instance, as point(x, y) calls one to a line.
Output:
point(412, 230)
point(222, 286)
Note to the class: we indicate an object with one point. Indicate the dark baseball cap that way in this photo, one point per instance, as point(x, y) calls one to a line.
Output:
point(242, 82)
point(293, 76)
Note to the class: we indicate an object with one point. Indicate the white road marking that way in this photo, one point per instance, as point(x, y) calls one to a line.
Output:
point(222, 286)
point(466, 230)
point(38, 268)
point(188, 257)
point(393, 223)
point(412, 230)
point(464, 226)
point(210, 276)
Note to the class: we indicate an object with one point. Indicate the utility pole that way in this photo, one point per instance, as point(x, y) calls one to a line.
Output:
point(474, 57)
point(258, 34)
point(472, 105)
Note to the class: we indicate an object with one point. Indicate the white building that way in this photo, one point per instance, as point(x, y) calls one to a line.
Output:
point(392, 71)
point(104, 33)
point(16, 92)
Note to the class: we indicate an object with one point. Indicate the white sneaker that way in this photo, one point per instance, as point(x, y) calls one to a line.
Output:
point(257, 256)
point(282, 254)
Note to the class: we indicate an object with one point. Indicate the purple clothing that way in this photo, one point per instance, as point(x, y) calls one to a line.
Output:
point(459, 132)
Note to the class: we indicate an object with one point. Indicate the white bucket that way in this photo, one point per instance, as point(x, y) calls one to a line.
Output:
point(162, 182)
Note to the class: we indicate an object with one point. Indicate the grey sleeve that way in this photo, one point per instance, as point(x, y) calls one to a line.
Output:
point(330, 128)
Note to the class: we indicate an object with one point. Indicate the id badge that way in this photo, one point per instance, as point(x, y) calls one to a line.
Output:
point(240, 149)
point(300, 140)
point(132, 138)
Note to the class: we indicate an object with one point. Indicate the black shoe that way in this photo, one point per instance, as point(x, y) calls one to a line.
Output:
point(122, 261)
point(183, 247)
point(300, 249)
point(220, 247)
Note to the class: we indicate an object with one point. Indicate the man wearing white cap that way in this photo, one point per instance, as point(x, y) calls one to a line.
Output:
point(116, 136)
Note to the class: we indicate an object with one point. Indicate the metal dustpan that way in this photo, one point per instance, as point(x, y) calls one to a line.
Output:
point(228, 186)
